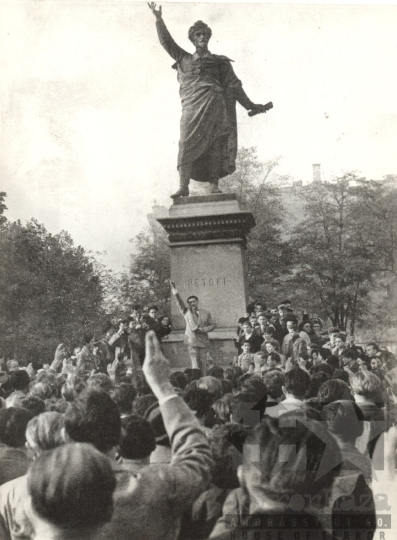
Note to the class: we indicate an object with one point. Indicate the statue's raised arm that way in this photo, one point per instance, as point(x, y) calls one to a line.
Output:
point(165, 38)
point(209, 89)
point(156, 12)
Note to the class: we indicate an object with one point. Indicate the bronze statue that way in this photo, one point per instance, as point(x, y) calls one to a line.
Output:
point(209, 90)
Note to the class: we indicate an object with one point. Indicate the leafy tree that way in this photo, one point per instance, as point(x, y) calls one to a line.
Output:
point(335, 263)
point(147, 281)
point(49, 291)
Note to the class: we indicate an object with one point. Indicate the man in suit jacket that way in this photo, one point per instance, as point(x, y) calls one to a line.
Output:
point(198, 323)
point(294, 346)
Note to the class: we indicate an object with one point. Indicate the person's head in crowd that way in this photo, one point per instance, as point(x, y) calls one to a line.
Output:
point(140, 384)
point(297, 383)
point(376, 363)
point(20, 380)
point(292, 326)
point(192, 374)
point(366, 386)
point(270, 347)
point(269, 331)
point(220, 411)
point(33, 404)
point(56, 405)
point(153, 311)
point(155, 419)
point(217, 372)
point(334, 390)
point(344, 419)
point(227, 444)
point(72, 387)
point(142, 403)
point(199, 400)
point(339, 340)
point(253, 319)
point(253, 385)
point(13, 423)
point(212, 385)
point(372, 349)
point(323, 366)
point(333, 361)
point(246, 347)
point(341, 374)
point(193, 302)
point(45, 432)
point(272, 318)
point(306, 326)
point(267, 479)
point(316, 381)
point(88, 340)
point(237, 370)
point(363, 362)
point(262, 320)
point(165, 321)
point(274, 382)
point(273, 359)
point(136, 311)
point(260, 307)
point(94, 418)
point(178, 380)
point(332, 333)
point(230, 374)
point(317, 326)
point(123, 395)
point(42, 390)
point(100, 381)
point(247, 328)
point(107, 329)
point(323, 354)
point(138, 440)
point(12, 365)
point(241, 321)
point(282, 311)
point(348, 358)
point(72, 505)
point(227, 386)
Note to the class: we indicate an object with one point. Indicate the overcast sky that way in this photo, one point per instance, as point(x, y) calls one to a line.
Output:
point(90, 106)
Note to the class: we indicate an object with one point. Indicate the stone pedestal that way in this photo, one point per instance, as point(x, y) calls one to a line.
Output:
point(207, 238)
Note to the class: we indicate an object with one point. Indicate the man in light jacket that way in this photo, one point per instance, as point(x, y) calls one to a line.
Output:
point(198, 323)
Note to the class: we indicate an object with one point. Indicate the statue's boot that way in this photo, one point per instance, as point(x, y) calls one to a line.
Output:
point(214, 188)
point(183, 190)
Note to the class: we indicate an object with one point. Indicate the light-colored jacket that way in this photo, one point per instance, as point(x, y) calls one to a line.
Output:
point(295, 349)
point(202, 319)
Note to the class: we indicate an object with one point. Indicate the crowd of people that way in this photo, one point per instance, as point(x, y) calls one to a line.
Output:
point(295, 438)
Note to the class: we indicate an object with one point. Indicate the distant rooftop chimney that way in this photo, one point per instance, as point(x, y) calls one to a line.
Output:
point(316, 172)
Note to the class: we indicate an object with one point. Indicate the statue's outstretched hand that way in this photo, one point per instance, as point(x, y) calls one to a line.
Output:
point(156, 12)
point(258, 109)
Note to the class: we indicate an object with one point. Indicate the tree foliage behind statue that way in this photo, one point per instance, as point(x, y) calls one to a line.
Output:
point(49, 291)
point(345, 250)
point(258, 187)
point(147, 280)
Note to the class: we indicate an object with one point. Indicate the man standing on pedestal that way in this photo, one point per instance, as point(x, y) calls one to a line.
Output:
point(198, 323)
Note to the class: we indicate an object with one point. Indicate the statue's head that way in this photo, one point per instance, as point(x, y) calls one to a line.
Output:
point(198, 28)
